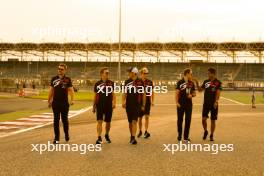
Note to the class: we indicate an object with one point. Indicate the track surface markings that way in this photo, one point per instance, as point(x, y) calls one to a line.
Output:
point(20, 125)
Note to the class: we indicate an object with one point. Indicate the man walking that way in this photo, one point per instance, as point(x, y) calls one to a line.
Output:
point(133, 100)
point(185, 90)
point(104, 103)
point(212, 87)
point(60, 87)
point(148, 84)
point(253, 99)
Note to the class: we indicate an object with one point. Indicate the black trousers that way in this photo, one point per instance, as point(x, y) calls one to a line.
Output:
point(187, 110)
point(60, 111)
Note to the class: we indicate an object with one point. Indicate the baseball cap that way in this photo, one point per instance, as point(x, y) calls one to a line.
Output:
point(144, 70)
point(133, 70)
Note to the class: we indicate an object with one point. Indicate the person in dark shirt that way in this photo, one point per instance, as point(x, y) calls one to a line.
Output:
point(148, 84)
point(60, 87)
point(212, 87)
point(185, 91)
point(253, 99)
point(133, 100)
point(104, 103)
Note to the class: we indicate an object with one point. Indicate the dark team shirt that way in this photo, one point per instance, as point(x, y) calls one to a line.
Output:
point(104, 92)
point(60, 86)
point(148, 84)
point(134, 92)
point(185, 88)
point(210, 89)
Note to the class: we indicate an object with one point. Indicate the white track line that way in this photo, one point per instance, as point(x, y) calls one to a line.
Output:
point(42, 125)
point(51, 114)
point(234, 101)
point(19, 123)
point(220, 104)
point(47, 113)
point(41, 116)
point(8, 127)
point(70, 112)
point(36, 120)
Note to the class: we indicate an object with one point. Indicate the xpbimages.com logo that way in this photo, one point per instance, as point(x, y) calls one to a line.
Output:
point(189, 147)
point(81, 148)
point(149, 90)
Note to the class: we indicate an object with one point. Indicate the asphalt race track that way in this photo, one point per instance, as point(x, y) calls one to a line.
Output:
point(238, 124)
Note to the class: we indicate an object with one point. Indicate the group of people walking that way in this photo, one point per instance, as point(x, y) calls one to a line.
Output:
point(137, 99)
point(137, 103)
point(185, 91)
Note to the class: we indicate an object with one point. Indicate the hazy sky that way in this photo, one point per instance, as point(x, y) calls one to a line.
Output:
point(142, 20)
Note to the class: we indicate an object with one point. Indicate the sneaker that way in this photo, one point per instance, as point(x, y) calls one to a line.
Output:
point(107, 138)
point(133, 141)
point(130, 139)
point(205, 134)
point(67, 138)
point(179, 138)
point(211, 137)
point(55, 142)
point(139, 134)
point(99, 140)
point(146, 135)
point(187, 140)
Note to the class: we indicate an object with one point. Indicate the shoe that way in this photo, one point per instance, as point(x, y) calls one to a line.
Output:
point(107, 138)
point(205, 134)
point(67, 138)
point(139, 134)
point(130, 139)
point(55, 141)
point(211, 137)
point(179, 138)
point(99, 140)
point(133, 141)
point(146, 135)
point(187, 140)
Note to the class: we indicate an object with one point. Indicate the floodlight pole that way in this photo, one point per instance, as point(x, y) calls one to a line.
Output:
point(119, 44)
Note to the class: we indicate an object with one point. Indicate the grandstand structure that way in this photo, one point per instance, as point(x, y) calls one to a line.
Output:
point(236, 63)
point(181, 50)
